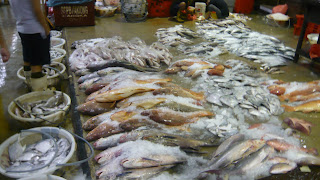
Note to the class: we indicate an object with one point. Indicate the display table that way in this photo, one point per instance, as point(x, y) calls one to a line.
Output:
point(311, 14)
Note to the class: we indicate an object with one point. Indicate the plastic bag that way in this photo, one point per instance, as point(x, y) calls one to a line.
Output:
point(283, 8)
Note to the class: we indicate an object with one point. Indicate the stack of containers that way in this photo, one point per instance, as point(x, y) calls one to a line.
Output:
point(311, 28)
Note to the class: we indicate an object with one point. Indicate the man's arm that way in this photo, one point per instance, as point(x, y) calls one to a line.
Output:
point(40, 15)
point(5, 54)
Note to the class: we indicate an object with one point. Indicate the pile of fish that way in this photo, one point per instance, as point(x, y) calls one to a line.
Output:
point(176, 35)
point(265, 149)
point(261, 48)
point(112, 52)
point(55, 54)
point(40, 108)
point(207, 49)
point(46, 152)
point(137, 160)
point(301, 96)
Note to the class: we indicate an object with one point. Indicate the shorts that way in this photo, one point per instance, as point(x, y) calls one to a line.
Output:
point(36, 50)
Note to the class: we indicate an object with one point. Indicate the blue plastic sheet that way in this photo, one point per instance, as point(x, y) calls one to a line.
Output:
point(52, 3)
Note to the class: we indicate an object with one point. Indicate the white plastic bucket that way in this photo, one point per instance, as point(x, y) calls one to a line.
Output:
point(57, 42)
point(4, 154)
point(58, 59)
point(55, 117)
point(52, 80)
point(55, 34)
point(200, 9)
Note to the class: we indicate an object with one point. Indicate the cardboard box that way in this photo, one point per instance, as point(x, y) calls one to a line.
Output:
point(74, 14)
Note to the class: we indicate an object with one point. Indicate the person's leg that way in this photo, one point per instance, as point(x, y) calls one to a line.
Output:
point(36, 52)
point(212, 7)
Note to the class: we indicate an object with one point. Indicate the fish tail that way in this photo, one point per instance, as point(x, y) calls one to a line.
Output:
point(288, 108)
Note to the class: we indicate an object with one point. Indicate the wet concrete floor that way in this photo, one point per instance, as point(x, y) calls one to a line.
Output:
point(11, 86)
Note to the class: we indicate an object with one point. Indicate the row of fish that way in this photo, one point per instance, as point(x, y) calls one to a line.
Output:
point(301, 96)
point(134, 53)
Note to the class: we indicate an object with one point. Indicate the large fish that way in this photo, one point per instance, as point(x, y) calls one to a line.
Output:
point(108, 155)
point(311, 106)
point(93, 107)
point(135, 123)
point(95, 87)
point(304, 97)
point(145, 103)
point(170, 88)
point(118, 94)
point(103, 130)
point(174, 118)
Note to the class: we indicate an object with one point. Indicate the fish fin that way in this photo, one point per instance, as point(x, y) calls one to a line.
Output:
point(288, 108)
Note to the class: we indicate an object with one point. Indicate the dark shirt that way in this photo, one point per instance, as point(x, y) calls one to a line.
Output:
point(222, 5)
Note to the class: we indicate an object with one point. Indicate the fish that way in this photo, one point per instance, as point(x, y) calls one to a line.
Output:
point(103, 130)
point(284, 146)
point(107, 142)
point(304, 97)
point(108, 155)
point(277, 90)
point(109, 170)
point(227, 144)
point(174, 118)
point(16, 149)
point(311, 106)
point(95, 87)
point(254, 160)
point(299, 124)
point(87, 76)
point(143, 173)
point(150, 161)
point(145, 104)
point(282, 168)
point(120, 63)
point(170, 88)
point(118, 94)
point(96, 120)
point(135, 123)
point(236, 152)
point(93, 107)
point(306, 159)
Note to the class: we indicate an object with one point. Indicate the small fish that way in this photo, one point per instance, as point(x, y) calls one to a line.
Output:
point(311, 106)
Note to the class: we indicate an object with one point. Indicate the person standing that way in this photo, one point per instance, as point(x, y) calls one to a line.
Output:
point(218, 6)
point(178, 9)
point(34, 32)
